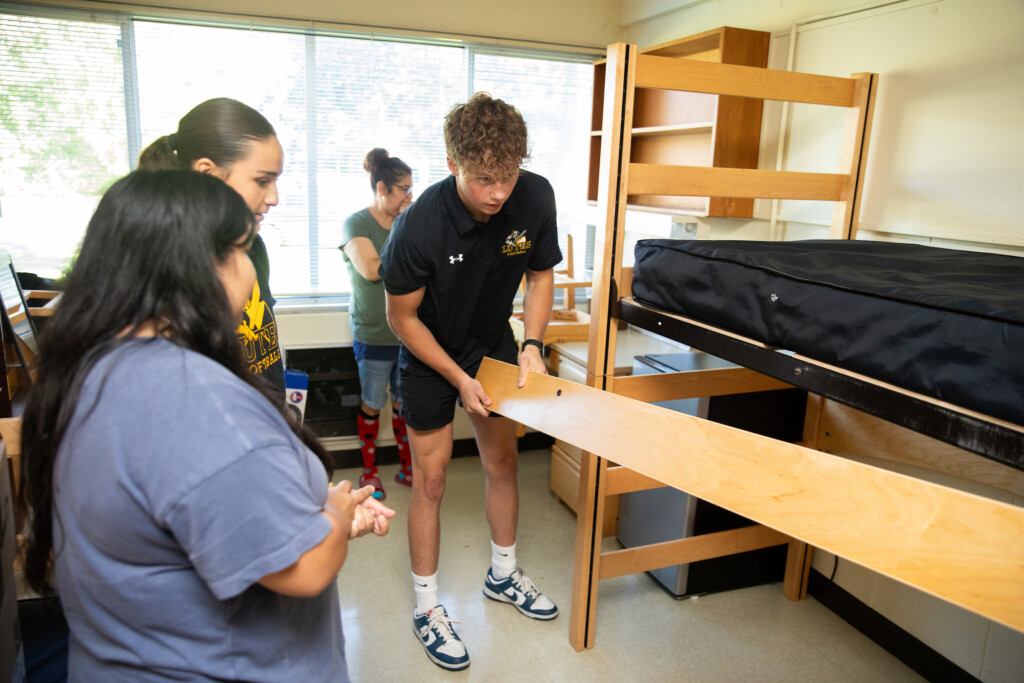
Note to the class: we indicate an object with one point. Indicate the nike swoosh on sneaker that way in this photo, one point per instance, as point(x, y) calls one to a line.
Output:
point(517, 598)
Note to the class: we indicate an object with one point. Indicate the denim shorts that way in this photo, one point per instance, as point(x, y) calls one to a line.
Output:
point(375, 376)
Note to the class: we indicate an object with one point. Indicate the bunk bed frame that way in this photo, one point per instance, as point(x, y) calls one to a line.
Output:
point(957, 546)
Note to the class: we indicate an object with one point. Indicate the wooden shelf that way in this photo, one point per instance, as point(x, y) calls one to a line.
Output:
point(672, 129)
point(691, 129)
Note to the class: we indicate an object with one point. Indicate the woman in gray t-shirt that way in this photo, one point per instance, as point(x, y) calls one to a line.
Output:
point(186, 517)
point(374, 344)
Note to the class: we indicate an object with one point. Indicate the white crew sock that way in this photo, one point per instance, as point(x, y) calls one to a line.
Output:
point(426, 592)
point(503, 561)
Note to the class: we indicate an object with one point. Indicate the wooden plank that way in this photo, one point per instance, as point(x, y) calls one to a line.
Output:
point(616, 124)
point(587, 554)
point(624, 480)
point(798, 570)
point(10, 432)
point(609, 238)
point(945, 542)
point(696, 384)
point(624, 284)
point(690, 75)
point(691, 549)
point(853, 157)
point(700, 181)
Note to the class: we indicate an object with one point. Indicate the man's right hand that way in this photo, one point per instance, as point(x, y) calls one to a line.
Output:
point(474, 398)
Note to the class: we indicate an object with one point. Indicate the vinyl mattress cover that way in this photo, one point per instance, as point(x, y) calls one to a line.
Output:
point(941, 322)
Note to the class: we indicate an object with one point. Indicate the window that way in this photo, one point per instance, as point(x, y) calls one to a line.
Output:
point(62, 134)
point(331, 99)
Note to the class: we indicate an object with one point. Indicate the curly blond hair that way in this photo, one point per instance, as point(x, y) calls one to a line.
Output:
point(486, 134)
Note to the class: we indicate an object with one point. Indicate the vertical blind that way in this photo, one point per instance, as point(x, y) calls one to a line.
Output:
point(331, 99)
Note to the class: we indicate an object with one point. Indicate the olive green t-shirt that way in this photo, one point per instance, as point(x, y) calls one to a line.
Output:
point(366, 307)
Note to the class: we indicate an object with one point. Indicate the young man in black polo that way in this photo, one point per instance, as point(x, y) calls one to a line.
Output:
point(451, 268)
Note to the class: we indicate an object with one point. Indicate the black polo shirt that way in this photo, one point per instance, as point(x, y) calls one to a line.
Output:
point(471, 270)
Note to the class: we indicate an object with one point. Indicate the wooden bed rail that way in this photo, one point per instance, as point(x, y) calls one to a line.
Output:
point(676, 385)
point(946, 542)
point(735, 182)
point(668, 73)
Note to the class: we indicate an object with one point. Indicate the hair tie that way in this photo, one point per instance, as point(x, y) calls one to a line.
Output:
point(172, 140)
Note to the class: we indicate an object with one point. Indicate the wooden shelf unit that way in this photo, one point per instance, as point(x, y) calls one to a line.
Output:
point(691, 128)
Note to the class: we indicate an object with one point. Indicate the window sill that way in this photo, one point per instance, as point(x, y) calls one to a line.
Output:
point(311, 304)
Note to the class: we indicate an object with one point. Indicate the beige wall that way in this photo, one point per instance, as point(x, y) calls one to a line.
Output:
point(541, 23)
point(649, 22)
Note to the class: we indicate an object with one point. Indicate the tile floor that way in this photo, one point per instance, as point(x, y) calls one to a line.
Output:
point(753, 634)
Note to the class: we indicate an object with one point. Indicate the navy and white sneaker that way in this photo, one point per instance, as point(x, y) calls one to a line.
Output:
point(518, 590)
point(434, 629)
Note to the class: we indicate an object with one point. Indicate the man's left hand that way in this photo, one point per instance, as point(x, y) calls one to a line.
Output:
point(530, 360)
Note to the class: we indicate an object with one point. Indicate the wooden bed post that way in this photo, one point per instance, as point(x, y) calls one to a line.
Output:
point(853, 157)
point(799, 554)
point(617, 122)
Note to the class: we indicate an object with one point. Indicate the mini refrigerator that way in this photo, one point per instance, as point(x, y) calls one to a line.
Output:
point(667, 514)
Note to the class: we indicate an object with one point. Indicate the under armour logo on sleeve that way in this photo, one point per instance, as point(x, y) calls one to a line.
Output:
point(453, 259)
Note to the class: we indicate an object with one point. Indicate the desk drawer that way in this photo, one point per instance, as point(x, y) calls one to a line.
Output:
point(565, 482)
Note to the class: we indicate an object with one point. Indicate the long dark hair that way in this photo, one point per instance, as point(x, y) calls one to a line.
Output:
point(150, 255)
point(384, 168)
point(219, 130)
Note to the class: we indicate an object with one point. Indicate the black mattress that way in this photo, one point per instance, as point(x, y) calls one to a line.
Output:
point(941, 322)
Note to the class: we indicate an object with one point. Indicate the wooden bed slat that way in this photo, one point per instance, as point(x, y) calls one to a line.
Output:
point(669, 73)
point(624, 480)
point(945, 542)
point(699, 181)
point(672, 386)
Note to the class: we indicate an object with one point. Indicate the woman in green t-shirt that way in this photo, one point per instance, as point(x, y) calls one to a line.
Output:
point(374, 344)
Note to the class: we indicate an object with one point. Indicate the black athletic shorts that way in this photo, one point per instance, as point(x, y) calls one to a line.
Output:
point(428, 400)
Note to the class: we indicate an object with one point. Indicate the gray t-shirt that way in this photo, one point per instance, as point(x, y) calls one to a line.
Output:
point(366, 308)
point(177, 487)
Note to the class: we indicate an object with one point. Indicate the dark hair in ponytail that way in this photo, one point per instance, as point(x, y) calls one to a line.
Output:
point(150, 253)
point(219, 130)
point(384, 168)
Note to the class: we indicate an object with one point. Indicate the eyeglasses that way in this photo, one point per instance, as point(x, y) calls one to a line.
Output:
point(406, 189)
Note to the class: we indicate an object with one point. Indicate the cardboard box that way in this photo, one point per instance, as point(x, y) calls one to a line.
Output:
point(12, 656)
point(564, 325)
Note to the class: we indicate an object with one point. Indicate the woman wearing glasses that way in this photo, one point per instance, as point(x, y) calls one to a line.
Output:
point(374, 344)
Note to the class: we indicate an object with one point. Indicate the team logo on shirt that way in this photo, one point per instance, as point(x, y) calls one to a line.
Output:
point(516, 244)
point(258, 334)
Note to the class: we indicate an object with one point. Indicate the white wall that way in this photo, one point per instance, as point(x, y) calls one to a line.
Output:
point(946, 159)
